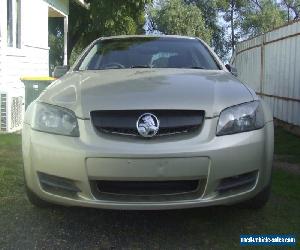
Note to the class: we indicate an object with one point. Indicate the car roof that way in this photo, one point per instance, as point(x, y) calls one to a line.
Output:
point(146, 36)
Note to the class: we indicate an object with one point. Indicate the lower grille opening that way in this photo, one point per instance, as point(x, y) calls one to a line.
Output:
point(237, 183)
point(147, 187)
point(147, 190)
point(58, 185)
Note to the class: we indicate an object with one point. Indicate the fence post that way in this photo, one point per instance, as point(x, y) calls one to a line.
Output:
point(262, 64)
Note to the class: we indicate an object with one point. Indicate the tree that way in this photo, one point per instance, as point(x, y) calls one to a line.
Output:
point(231, 10)
point(261, 16)
point(56, 42)
point(210, 10)
point(293, 9)
point(174, 17)
point(104, 18)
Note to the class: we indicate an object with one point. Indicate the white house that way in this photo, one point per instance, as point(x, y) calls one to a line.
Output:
point(24, 50)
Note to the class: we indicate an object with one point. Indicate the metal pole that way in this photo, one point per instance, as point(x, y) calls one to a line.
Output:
point(66, 40)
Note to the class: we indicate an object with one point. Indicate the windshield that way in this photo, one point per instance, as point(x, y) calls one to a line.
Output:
point(148, 52)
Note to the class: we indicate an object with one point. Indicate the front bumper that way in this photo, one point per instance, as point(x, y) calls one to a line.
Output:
point(204, 156)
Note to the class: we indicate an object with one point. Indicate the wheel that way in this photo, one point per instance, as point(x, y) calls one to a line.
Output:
point(258, 201)
point(35, 200)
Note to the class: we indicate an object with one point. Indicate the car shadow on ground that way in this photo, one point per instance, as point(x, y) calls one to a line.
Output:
point(24, 226)
point(188, 228)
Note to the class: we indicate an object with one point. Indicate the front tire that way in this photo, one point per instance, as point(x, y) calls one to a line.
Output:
point(258, 201)
point(35, 200)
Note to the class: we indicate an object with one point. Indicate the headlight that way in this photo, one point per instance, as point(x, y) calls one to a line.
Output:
point(241, 118)
point(56, 120)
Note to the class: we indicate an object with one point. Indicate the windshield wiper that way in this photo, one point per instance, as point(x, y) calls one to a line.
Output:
point(140, 66)
point(195, 67)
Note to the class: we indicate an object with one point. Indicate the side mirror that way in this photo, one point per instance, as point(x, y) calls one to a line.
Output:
point(232, 70)
point(59, 71)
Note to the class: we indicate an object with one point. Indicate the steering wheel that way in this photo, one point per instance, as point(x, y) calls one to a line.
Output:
point(114, 65)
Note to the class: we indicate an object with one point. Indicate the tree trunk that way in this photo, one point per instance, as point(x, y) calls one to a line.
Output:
point(232, 25)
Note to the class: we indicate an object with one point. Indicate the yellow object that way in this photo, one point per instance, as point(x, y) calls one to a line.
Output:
point(37, 78)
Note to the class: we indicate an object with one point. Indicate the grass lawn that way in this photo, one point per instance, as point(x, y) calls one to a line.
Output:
point(287, 146)
point(23, 226)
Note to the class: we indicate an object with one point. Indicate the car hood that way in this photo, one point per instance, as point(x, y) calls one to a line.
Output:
point(147, 89)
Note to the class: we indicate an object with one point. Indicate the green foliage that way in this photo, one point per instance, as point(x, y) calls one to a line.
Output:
point(250, 18)
point(287, 146)
point(225, 5)
point(104, 18)
point(210, 10)
point(241, 19)
point(261, 16)
point(11, 166)
point(56, 42)
point(175, 17)
point(231, 12)
point(293, 8)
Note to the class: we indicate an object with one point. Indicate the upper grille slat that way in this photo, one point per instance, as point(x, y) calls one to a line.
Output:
point(123, 122)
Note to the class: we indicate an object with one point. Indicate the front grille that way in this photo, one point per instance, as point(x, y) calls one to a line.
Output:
point(148, 190)
point(123, 122)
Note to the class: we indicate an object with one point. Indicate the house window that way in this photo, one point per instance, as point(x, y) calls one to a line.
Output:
point(9, 23)
point(14, 23)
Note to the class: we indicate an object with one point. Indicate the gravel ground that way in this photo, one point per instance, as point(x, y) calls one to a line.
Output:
point(23, 226)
